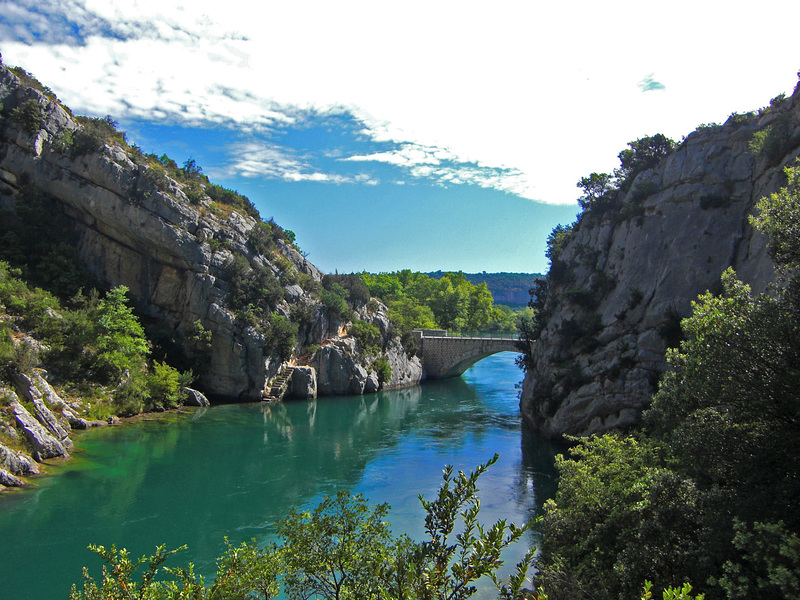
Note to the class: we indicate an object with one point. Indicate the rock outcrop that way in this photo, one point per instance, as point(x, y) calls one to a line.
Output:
point(629, 271)
point(178, 256)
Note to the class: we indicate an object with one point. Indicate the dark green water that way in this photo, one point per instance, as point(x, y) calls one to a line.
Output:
point(235, 470)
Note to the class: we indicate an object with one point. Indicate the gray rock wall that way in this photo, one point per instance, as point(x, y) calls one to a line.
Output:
point(626, 277)
point(160, 246)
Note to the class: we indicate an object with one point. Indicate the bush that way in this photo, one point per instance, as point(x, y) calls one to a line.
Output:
point(383, 369)
point(29, 116)
point(165, 386)
point(774, 141)
point(281, 337)
point(367, 335)
point(95, 133)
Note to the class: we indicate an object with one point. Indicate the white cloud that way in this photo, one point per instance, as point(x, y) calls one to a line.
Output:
point(272, 161)
point(529, 95)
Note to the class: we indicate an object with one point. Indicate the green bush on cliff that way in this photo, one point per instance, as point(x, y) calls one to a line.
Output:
point(367, 335)
point(29, 116)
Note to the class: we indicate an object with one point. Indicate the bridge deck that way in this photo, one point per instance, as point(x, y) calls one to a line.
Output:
point(445, 355)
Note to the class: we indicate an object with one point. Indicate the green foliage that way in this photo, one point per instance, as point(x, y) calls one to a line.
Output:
point(594, 187)
point(615, 497)
point(94, 133)
point(234, 199)
point(341, 550)
point(357, 293)
point(338, 550)
point(383, 369)
point(557, 240)
point(777, 217)
point(280, 337)
point(252, 285)
point(121, 343)
point(367, 335)
point(117, 579)
point(641, 154)
point(29, 116)
point(335, 304)
point(766, 565)
point(774, 141)
point(166, 384)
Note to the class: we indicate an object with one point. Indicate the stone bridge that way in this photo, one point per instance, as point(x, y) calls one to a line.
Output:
point(449, 356)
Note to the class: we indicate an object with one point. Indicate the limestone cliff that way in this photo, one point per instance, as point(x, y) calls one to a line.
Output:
point(629, 268)
point(169, 242)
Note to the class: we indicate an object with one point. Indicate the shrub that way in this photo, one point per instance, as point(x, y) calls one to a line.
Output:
point(774, 141)
point(281, 337)
point(367, 335)
point(165, 386)
point(95, 133)
point(29, 116)
point(384, 370)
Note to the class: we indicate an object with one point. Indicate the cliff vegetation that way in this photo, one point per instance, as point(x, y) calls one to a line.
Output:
point(126, 277)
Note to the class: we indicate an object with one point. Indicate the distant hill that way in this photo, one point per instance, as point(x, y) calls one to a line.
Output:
point(510, 289)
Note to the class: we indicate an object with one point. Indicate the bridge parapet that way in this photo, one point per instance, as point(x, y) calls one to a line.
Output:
point(447, 356)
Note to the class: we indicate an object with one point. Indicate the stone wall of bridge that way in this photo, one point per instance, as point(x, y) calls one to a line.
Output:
point(450, 356)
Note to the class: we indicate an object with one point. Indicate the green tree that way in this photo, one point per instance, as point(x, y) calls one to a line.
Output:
point(594, 187)
point(339, 550)
point(615, 497)
point(29, 116)
point(121, 343)
point(640, 155)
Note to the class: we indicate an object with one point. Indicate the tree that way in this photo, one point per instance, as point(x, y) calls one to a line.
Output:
point(122, 345)
point(640, 155)
point(620, 516)
point(29, 116)
point(339, 550)
point(594, 187)
point(777, 216)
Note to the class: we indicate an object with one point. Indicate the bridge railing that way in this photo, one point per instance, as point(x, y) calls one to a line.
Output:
point(490, 335)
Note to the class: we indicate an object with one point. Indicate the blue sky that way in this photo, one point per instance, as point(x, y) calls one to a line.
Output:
point(422, 135)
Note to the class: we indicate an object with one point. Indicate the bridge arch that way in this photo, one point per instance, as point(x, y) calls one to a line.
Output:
point(445, 356)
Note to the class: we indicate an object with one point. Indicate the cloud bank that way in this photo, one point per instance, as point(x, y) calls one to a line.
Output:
point(523, 97)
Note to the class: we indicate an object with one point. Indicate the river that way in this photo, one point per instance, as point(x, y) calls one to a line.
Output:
point(234, 470)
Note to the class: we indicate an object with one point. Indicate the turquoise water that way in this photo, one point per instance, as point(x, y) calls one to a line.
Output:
point(235, 470)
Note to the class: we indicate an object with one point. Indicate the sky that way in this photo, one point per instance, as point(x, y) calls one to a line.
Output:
point(422, 135)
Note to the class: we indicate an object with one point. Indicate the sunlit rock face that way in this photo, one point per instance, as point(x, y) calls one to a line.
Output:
point(627, 275)
point(171, 253)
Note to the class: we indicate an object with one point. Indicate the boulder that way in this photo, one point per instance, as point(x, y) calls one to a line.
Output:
point(9, 480)
point(44, 445)
point(338, 372)
point(195, 398)
point(16, 462)
point(303, 384)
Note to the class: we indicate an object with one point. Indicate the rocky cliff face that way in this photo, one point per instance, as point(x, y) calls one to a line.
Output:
point(138, 228)
point(631, 266)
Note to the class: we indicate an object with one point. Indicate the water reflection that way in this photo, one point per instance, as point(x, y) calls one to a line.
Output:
point(236, 469)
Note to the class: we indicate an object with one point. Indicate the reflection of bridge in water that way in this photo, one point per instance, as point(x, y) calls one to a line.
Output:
point(444, 355)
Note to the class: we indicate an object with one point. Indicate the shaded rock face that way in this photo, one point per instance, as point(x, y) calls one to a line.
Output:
point(625, 278)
